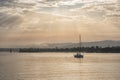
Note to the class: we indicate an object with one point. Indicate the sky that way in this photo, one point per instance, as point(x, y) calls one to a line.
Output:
point(35, 22)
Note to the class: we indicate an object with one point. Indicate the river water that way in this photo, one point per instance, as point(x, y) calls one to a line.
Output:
point(59, 66)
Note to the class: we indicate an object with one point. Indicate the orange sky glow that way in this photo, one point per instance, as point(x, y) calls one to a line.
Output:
point(58, 21)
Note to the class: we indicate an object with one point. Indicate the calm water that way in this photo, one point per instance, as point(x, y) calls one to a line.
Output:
point(59, 66)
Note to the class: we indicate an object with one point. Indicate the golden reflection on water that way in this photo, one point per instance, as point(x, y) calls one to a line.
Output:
point(59, 66)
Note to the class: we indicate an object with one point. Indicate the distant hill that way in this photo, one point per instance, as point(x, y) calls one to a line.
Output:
point(106, 43)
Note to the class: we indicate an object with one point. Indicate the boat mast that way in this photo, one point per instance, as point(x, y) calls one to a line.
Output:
point(80, 42)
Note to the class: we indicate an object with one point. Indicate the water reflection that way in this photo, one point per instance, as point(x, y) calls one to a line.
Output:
point(62, 66)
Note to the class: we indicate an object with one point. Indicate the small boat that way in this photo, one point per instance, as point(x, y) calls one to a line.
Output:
point(79, 54)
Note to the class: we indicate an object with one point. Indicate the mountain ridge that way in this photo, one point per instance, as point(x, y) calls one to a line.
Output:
point(104, 43)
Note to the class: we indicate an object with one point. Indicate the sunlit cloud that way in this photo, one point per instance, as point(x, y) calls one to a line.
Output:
point(37, 21)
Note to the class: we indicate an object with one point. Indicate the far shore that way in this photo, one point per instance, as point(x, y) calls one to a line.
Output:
point(93, 49)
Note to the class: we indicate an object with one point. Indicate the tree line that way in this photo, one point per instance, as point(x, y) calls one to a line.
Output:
point(93, 49)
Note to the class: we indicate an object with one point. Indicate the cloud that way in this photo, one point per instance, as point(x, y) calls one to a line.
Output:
point(7, 3)
point(32, 21)
point(8, 21)
point(41, 14)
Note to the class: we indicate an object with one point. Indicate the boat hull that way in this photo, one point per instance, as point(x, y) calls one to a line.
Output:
point(78, 56)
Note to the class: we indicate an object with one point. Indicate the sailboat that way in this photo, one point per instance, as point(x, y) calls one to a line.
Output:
point(79, 54)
